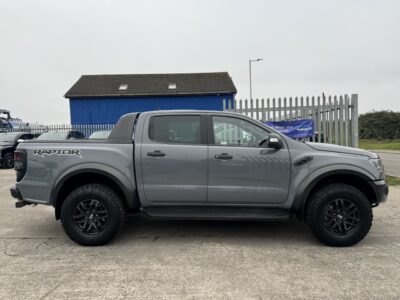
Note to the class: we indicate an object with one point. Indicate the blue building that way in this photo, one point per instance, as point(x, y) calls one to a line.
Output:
point(102, 99)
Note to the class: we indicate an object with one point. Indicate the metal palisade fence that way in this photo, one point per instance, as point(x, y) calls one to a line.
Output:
point(86, 129)
point(335, 117)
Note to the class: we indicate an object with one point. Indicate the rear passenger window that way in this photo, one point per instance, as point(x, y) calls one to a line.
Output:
point(175, 129)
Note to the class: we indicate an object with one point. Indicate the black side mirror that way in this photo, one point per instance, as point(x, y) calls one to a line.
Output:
point(274, 141)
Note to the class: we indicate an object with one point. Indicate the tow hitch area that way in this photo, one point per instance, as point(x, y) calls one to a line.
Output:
point(20, 204)
point(17, 195)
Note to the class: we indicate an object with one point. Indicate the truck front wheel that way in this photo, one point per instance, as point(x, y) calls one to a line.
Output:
point(92, 214)
point(339, 215)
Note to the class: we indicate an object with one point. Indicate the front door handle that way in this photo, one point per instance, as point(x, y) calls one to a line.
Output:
point(156, 153)
point(223, 156)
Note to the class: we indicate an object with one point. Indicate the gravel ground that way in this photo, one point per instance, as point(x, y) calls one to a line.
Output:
point(194, 260)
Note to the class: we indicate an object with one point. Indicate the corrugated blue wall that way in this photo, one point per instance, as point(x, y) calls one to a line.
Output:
point(109, 110)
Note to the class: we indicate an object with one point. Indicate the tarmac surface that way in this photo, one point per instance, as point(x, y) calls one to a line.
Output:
point(194, 260)
point(391, 161)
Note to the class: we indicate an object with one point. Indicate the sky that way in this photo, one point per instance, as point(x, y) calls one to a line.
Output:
point(308, 47)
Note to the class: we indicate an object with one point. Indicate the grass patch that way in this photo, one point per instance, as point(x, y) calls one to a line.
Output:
point(393, 181)
point(380, 145)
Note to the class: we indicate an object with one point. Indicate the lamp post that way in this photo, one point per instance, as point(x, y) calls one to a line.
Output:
point(251, 61)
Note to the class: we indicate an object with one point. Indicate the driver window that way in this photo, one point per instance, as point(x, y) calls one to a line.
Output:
point(237, 132)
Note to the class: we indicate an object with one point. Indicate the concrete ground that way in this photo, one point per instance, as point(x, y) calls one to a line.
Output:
point(194, 260)
point(391, 161)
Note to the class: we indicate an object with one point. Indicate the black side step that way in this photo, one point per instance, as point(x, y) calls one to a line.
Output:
point(217, 213)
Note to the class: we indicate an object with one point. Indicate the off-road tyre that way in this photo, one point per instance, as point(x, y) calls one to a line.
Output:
point(322, 215)
point(94, 203)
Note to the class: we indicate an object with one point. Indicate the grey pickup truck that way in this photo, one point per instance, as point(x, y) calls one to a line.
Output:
point(199, 165)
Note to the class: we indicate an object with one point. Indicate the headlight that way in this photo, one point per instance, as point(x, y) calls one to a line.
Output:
point(377, 163)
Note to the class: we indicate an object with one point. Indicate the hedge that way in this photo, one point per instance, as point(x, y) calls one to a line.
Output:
point(379, 125)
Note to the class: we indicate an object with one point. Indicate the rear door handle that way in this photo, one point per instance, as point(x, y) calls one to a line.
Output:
point(223, 156)
point(156, 153)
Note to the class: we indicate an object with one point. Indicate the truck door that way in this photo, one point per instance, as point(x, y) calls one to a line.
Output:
point(174, 155)
point(241, 171)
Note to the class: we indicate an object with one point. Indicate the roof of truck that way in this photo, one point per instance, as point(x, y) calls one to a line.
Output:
point(177, 111)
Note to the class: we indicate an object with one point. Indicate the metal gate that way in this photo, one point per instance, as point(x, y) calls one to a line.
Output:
point(335, 117)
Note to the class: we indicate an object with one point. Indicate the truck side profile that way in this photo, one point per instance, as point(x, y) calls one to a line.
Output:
point(200, 165)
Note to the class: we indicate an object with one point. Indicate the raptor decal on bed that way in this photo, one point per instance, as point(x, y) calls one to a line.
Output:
point(59, 152)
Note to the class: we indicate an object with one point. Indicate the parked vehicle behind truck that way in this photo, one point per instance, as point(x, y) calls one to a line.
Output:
point(100, 135)
point(8, 143)
point(61, 135)
point(200, 165)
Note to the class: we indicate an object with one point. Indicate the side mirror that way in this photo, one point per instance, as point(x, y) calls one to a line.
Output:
point(274, 141)
point(20, 141)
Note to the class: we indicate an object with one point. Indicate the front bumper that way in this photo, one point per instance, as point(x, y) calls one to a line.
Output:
point(381, 190)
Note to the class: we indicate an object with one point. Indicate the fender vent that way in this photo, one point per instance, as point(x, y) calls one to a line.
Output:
point(303, 161)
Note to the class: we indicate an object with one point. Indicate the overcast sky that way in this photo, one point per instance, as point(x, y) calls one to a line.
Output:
point(309, 47)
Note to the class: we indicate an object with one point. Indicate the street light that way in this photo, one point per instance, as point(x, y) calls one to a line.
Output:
point(250, 61)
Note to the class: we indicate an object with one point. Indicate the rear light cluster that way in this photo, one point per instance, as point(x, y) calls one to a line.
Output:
point(20, 164)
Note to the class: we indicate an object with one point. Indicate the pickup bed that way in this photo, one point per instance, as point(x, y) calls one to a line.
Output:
point(199, 165)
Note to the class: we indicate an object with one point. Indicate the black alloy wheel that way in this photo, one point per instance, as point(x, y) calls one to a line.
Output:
point(90, 216)
point(341, 216)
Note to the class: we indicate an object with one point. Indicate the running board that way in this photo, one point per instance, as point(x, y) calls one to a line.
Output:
point(217, 213)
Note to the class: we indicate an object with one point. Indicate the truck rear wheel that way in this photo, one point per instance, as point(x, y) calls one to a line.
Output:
point(92, 214)
point(339, 215)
